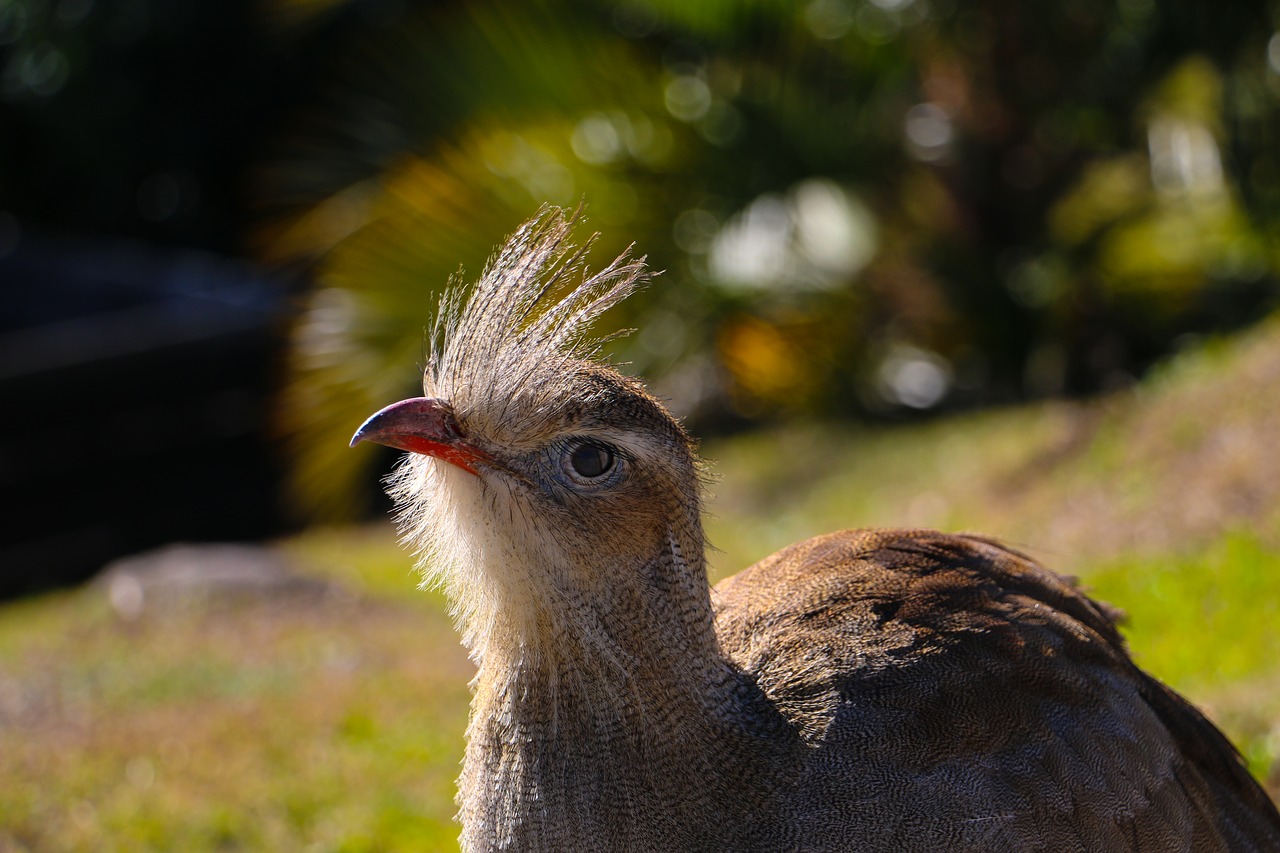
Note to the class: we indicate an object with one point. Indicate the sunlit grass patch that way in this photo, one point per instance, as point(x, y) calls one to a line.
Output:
point(367, 559)
point(1205, 622)
point(271, 725)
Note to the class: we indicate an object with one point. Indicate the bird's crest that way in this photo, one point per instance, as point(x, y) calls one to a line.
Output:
point(523, 330)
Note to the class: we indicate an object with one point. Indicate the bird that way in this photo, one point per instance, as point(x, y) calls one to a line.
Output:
point(864, 690)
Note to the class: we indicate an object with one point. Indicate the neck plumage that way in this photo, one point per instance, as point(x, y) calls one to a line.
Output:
point(618, 720)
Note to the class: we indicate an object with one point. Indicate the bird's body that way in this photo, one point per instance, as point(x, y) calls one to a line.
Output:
point(990, 706)
point(866, 690)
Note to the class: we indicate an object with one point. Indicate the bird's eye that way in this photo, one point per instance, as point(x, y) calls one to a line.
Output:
point(591, 461)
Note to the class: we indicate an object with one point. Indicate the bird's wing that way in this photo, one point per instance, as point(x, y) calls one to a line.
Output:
point(950, 690)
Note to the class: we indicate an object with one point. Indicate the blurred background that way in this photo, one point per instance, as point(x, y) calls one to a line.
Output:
point(223, 225)
point(1040, 237)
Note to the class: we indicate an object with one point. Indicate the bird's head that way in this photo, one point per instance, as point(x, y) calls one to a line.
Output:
point(540, 482)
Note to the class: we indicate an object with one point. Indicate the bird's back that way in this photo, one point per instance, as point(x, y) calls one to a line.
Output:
point(952, 694)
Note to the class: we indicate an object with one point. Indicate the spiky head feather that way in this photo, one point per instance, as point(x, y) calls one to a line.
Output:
point(511, 354)
point(518, 547)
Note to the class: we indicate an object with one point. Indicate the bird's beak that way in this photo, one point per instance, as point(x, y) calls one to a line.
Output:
point(421, 425)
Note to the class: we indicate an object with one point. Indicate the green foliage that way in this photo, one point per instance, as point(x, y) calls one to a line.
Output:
point(858, 206)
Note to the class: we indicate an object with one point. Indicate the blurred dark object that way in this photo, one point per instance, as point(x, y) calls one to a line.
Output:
point(128, 369)
point(136, 384)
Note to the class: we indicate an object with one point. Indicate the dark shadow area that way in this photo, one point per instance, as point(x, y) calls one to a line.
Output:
point(137, 383)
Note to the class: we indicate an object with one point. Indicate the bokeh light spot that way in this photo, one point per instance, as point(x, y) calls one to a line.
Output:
point(687, 97)
point(929, 132)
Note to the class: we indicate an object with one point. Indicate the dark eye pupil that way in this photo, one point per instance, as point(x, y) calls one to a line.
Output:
point(591, 460)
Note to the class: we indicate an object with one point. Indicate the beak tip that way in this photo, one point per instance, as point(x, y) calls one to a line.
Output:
point(361, 434)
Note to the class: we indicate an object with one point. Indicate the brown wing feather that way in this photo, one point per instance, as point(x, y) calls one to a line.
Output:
point(952, 691)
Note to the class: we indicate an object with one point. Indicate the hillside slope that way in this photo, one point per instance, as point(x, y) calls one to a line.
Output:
point(1172, 464)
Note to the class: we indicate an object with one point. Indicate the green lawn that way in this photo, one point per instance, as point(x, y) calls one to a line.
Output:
point(336, 723)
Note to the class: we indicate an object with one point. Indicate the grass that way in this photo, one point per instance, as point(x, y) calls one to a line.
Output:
point(1205, 623)
point(254, 726)
point(336, 723)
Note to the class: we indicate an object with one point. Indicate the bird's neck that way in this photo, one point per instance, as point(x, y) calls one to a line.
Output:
point(619, 722)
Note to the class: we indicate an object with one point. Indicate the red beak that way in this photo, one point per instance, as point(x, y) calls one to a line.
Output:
point(421, 425)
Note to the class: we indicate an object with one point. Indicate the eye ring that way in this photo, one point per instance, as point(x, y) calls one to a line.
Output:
point(590, 462)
